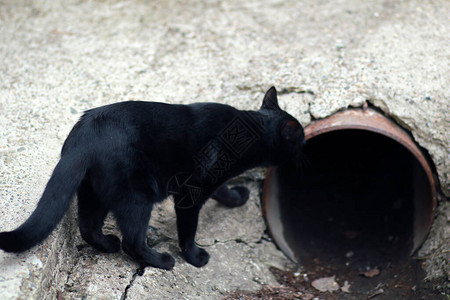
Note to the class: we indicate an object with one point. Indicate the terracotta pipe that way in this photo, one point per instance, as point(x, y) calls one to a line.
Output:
point(368, 120)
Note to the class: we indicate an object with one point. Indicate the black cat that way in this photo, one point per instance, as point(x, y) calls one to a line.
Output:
point(127, 156)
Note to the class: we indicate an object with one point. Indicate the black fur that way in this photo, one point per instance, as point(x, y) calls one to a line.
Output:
point(127, 156)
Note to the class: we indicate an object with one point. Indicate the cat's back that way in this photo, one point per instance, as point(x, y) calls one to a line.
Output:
point(160, 116)
point(130, 110)
point(117, 121)
point(143, 111)
point(134, 120)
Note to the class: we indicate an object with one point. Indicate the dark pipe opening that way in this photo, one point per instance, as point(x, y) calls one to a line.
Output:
point(354, 195)
point(355, 206)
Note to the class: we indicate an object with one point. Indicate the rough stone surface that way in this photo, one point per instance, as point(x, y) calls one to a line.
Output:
point(435, 251)
point(233, 266)
point(59, 58)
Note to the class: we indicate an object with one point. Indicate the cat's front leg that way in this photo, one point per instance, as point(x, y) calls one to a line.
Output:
point(187, 220)
point(234, 197)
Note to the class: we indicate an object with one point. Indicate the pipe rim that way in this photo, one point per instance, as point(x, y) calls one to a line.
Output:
point(368, 120)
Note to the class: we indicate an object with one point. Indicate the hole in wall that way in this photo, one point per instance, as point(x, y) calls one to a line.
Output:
point(363, 200)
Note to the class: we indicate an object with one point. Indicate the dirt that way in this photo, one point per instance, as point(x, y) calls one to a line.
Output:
point(297, 285)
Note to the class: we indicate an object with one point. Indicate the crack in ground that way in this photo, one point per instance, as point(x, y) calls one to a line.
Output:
point(282, 91)
point(139, 272)
point(295, 90)
point(237, 241)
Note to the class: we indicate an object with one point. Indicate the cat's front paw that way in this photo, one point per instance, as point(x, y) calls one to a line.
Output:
point(167, 262)
point(196, 256)
point(162, 261)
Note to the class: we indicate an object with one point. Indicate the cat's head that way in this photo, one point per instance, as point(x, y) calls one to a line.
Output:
point(289, 137)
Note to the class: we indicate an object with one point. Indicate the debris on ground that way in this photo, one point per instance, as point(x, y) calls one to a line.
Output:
point(376, 293)
point(346, 287)
point(371, 273)
point(326, 284)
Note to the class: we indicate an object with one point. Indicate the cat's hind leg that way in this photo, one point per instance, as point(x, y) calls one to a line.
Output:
point(91, 215)
point(234, 197)
point(133, 216)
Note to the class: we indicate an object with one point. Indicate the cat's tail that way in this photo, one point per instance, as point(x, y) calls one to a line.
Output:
point(55, 201)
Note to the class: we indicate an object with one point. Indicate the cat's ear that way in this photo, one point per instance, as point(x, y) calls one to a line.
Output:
point(270, 100)
point(292, 130)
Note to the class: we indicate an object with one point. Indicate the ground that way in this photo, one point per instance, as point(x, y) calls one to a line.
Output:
point(61, 58)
